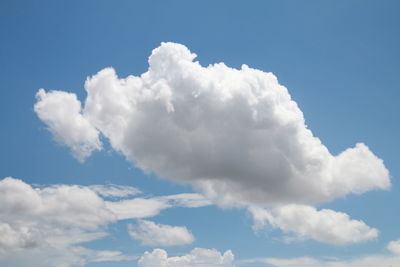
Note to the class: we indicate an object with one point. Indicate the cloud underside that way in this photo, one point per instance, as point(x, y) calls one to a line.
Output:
point(234, 135)
point(46, 226)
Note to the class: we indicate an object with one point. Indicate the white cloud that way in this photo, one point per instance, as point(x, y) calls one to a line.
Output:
point(235, 135)
point(394, 246)
point(136, 208)
point(306, 222)
point(148, 207)
point(20, 203)
point(152, 234)
point(47, 224)
point(198, 257)
point(61, 111)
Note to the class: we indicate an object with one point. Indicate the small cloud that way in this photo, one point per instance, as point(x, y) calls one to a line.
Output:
point(152, 234)
point(306, 222)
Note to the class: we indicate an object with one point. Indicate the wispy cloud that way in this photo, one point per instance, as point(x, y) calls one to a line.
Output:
point(384, 260)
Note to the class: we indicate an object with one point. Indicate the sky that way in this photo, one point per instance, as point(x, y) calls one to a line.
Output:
point(199, 133)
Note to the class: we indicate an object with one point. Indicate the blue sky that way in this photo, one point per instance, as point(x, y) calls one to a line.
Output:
point(339, 61)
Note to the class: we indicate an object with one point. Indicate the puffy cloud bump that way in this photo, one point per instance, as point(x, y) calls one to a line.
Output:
point(61, 111)
point(235, 135)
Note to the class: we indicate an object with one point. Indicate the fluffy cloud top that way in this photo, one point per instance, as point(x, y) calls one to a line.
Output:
point(61, 111)
point(47, 224)
point(306, 222)
point(198, 257)
point(235, 135)
point(153, 234)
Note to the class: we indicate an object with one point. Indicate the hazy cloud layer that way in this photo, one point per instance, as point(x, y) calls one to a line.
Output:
point(198, 257)
point(235, 135)
point(305, 222)
point(384, 260)
point(153, 234)
point(47, 224)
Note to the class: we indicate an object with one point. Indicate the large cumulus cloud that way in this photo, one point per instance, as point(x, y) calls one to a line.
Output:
point(233, 134)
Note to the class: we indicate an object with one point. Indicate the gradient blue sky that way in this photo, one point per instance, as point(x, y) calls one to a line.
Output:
point(340, 61)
